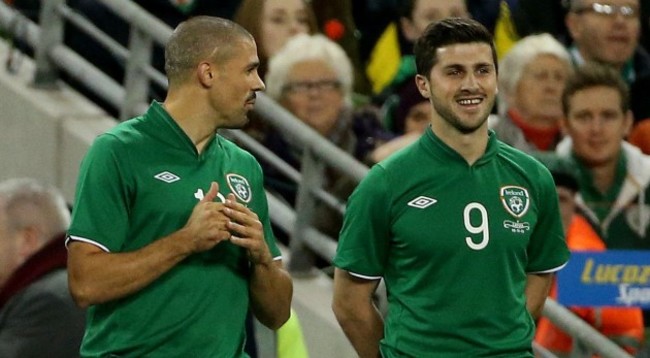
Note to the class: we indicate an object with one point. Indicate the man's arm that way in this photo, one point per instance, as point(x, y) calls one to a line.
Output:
point(357, 314)
point(270, 285)
point(271, 292)
point(537, 287)
point(96, 276)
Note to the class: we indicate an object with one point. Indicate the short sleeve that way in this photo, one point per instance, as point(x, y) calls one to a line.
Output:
point(547, 250)
point(365, 236)
point(100, 214)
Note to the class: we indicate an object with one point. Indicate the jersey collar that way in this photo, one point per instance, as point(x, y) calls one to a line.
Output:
point(170, 132)
point(442, 151)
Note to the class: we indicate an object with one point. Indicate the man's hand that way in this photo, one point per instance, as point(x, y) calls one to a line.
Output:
point(208, 225)
point(248, 231)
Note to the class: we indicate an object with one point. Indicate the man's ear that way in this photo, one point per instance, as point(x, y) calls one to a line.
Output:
point(423, 86)
point(206, 74)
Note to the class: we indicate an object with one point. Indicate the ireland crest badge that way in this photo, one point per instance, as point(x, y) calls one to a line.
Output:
point(515, 199)
point(240, 187)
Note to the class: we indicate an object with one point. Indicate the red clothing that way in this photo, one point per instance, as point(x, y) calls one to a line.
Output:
point(640, 135)
point(542, 138)
point(622, 325)
point(50, 257)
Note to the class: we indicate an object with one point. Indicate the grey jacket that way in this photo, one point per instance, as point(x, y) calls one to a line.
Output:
point(42, 320)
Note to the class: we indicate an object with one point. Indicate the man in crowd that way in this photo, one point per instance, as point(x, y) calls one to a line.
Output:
point(608, 32)
point(38, 318)
point(614, 176)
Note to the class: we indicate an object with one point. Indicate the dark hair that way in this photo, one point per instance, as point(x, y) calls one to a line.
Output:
point(405, 8)
point(198, 39)
point(446, 32)
point(594, 74)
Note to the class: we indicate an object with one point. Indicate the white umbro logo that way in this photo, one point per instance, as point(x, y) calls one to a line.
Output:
point(422, 202)
point(167, 177)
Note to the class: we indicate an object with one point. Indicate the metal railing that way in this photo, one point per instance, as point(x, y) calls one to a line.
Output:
point(52, 56)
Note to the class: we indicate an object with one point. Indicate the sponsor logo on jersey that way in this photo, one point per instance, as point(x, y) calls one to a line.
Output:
point(240, 187)
point(515, 199)
point(167, 177)
point(422, 202)
point(516, 226)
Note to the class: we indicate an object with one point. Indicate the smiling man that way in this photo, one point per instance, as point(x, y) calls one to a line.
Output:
point(170, 241)
point(614, 176)
point(608, 31)
point(465, 230)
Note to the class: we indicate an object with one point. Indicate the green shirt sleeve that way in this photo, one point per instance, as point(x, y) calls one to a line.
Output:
point(547, 250)
point(365, 236)
point(101, 207)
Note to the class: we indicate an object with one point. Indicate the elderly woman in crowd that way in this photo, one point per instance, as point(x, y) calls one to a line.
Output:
point(312, 78)
point(272, 23)
point(532, 76)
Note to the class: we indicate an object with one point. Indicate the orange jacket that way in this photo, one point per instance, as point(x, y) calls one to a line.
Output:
point(621, 324)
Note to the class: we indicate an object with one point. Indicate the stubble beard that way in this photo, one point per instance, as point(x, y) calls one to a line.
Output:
point(238, 121)
point(448, 115)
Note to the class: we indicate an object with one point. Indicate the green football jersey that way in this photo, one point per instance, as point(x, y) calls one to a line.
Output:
point(138, 183)
point(454, 244)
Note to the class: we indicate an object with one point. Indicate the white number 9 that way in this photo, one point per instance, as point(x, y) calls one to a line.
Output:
point(481, 229)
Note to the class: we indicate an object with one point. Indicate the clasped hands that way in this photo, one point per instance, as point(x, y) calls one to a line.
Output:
point(212, 222)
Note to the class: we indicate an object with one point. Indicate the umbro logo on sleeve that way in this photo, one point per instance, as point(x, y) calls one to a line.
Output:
point(422, 202)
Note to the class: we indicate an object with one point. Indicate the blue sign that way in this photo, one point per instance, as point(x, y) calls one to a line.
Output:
point(606, 278)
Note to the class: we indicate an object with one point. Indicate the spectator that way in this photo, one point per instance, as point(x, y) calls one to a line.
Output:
point(391, 60)
point(614, 176)
point(531, 81)
point(623, 325)
point(407, 116)
point(165, 268)
point(273, 22)
point(312, 78)
point(336, 21)
point(38, 318)
point(530, 17)
point(608, 32)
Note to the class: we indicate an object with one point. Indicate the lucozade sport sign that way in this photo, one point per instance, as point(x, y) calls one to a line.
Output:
point(606, 278)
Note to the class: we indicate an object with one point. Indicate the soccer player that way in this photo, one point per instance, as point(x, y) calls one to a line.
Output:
point(170, 240)
point(465, 230)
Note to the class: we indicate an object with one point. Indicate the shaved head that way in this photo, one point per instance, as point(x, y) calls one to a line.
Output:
point(199, 39)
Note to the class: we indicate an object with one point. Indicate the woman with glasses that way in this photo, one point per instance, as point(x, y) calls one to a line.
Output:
point(312, 77)
point(531, 80)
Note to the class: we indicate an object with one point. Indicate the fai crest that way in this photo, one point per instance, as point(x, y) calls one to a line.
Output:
point(240, 187)
point(515, 199)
